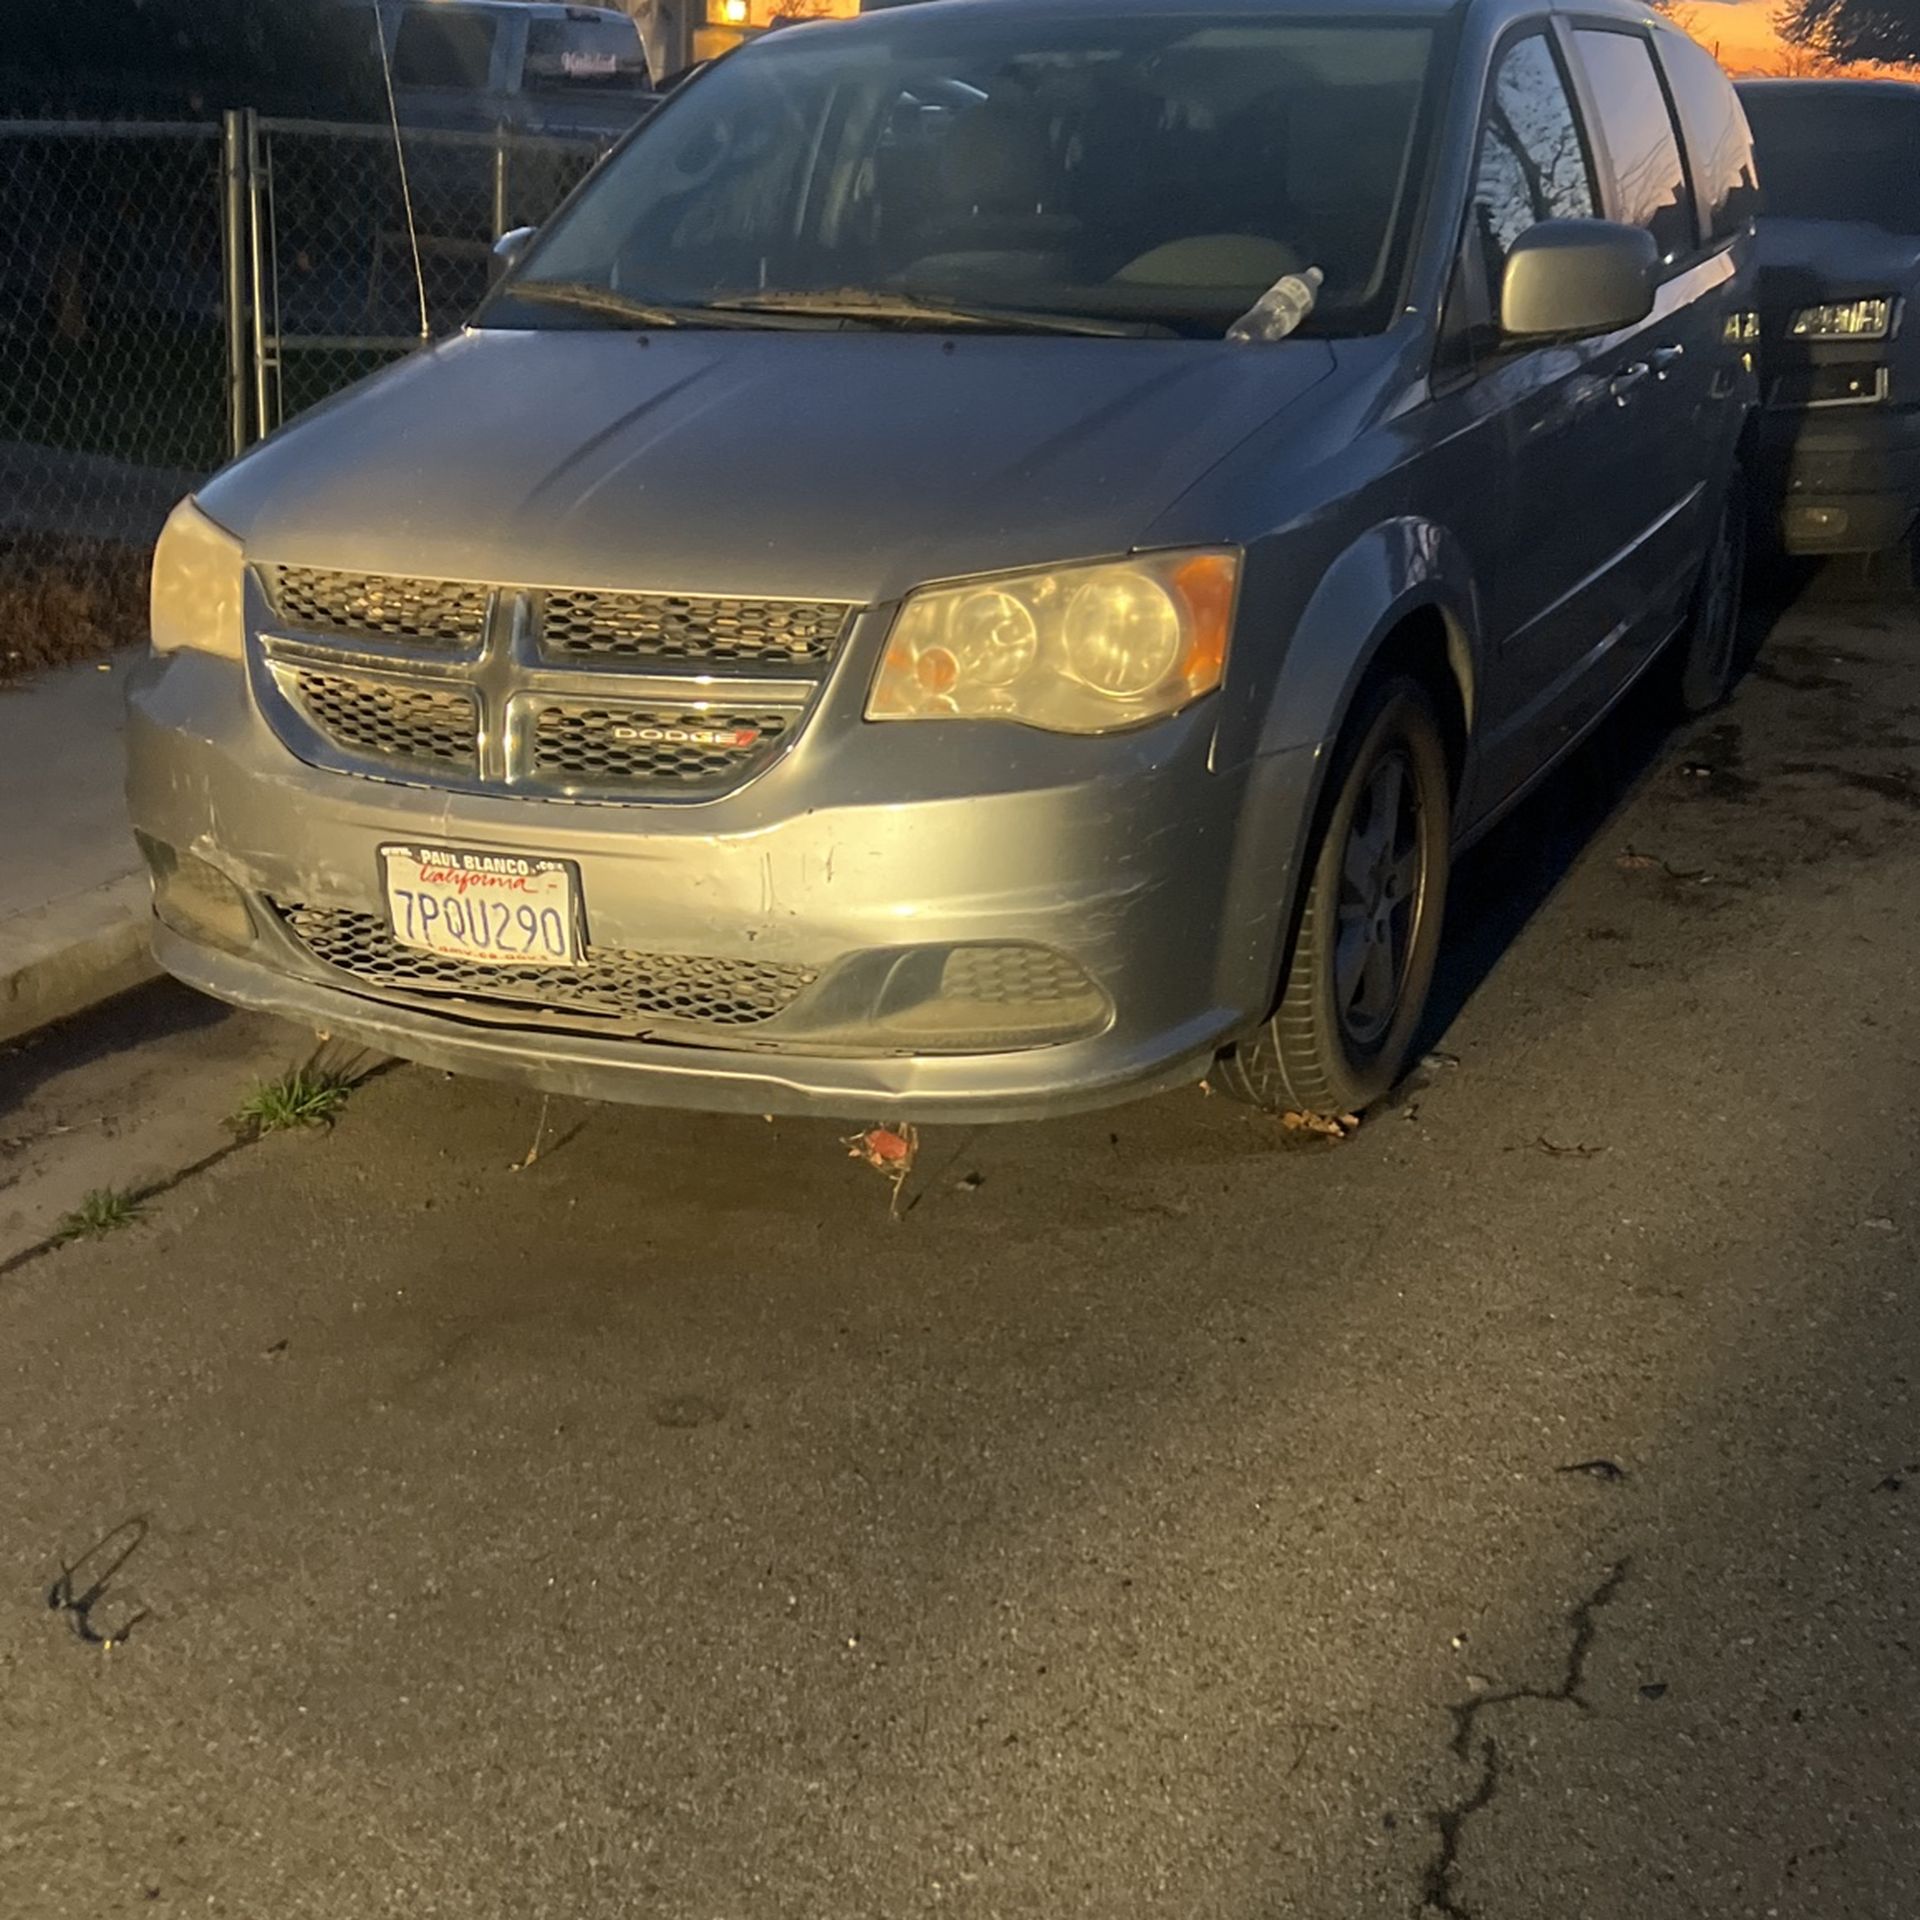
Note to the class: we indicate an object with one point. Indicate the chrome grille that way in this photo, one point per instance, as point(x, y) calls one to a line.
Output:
point(583, 695)
point(381, 720)
point(432, 613)
point(614, 988)
point(659, 626)
point(625, 747)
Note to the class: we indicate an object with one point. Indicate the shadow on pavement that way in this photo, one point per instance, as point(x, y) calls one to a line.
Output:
point(147, 1013)
point(1504, 881)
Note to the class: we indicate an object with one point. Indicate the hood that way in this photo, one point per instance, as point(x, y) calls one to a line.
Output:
point(844, 466)
point(1802, 260)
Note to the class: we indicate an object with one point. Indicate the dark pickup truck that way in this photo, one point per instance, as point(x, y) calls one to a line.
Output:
point(476, 65)
point(1839, 246)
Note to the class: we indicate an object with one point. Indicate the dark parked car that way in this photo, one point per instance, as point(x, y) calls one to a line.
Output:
point(985, 564)
point(1839, 274)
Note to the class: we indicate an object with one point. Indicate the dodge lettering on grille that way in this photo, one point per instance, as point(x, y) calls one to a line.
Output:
point(685, 736)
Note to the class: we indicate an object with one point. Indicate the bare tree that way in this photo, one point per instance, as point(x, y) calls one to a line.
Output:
point(1843, 31)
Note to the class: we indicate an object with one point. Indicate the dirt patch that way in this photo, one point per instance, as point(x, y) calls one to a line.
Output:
point(1897, 787)
point(64, 600)
point(1801, 682)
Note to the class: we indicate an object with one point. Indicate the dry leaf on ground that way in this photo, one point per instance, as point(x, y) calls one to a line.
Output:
point(887, 1150)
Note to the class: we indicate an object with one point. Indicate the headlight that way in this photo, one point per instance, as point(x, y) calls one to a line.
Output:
point(197, 574)
point(1869, 319)
point(1075, 650)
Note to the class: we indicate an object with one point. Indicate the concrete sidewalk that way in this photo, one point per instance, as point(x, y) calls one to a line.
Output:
point(73, 896)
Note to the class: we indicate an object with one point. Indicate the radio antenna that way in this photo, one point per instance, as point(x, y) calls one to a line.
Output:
point(400, 160)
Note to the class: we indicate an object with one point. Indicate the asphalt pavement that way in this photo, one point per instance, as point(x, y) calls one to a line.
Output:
point(1510, 1512)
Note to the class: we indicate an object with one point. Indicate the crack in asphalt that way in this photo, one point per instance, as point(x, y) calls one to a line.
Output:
point(1438, 1892)
point(138, 1196)
point(1437, 1896)
point(60, 1237)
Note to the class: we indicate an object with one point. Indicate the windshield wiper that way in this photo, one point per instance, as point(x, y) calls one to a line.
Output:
point(585, 296)
point(880, 308)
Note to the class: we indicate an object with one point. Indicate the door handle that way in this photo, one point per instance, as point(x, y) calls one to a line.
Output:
point(1665, 359)
point(1624, 382)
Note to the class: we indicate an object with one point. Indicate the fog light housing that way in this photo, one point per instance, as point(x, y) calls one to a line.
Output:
point(195, 899)
point(982, 999)
point(1816, 524)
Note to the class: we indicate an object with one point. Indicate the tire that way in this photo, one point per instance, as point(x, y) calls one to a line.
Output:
point(1894, 572)
point(1362, 958)
point(1707, 651)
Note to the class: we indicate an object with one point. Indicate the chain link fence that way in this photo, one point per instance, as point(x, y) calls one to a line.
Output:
point(113, 395)
point(169, 292)
point(339, 295)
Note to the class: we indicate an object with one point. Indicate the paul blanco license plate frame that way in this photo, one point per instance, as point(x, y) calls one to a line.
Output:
point(484, 906)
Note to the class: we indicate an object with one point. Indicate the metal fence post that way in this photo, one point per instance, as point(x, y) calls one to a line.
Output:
point(233, 218)
point(499, 181)
point(256, 272)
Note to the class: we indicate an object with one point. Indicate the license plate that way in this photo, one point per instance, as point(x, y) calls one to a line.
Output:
point(501, 909)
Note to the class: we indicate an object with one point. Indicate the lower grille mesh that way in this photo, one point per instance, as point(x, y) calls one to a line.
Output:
point(615, 987)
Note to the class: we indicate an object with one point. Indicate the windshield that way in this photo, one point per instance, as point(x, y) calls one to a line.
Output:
point(1161, 170)
point(1837, 157)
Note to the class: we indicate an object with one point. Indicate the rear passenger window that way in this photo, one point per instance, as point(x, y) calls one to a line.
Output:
point(1638, 131)
point(1718, 141)
point(590, 56)
point(1533, 163)
point(442, 49)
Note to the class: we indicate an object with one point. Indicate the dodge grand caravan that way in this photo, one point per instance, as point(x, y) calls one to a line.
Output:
point(984, 564)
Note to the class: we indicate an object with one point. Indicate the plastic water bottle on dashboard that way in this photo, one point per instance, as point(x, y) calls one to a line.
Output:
point(1280, 309)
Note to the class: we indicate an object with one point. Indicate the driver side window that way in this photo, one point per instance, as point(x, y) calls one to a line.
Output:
point(1531, 166)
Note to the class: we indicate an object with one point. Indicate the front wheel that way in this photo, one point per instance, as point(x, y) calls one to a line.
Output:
point(1369, 922)
point(1707, 650)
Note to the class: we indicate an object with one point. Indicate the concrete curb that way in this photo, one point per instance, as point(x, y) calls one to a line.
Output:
point(74, 906)
point(61, 959)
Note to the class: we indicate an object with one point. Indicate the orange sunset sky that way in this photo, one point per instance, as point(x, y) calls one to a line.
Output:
point(1741, 32)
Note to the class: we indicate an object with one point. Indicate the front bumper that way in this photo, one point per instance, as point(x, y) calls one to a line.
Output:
point(1159, 877)
point(1846, 479)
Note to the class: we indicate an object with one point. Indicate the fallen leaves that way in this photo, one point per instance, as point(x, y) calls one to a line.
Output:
point(1327, 1126)
point(1632, 860)
point(890, 1152)
point(539, 1135)
point(1609, 1470)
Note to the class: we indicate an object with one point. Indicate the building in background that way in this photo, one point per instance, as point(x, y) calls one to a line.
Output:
point(679, 33)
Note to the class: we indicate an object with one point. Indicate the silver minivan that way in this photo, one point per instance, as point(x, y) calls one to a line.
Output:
point(984, 564)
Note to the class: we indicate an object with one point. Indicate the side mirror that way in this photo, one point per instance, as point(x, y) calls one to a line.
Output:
point(506, 253)
point(1567, 279)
